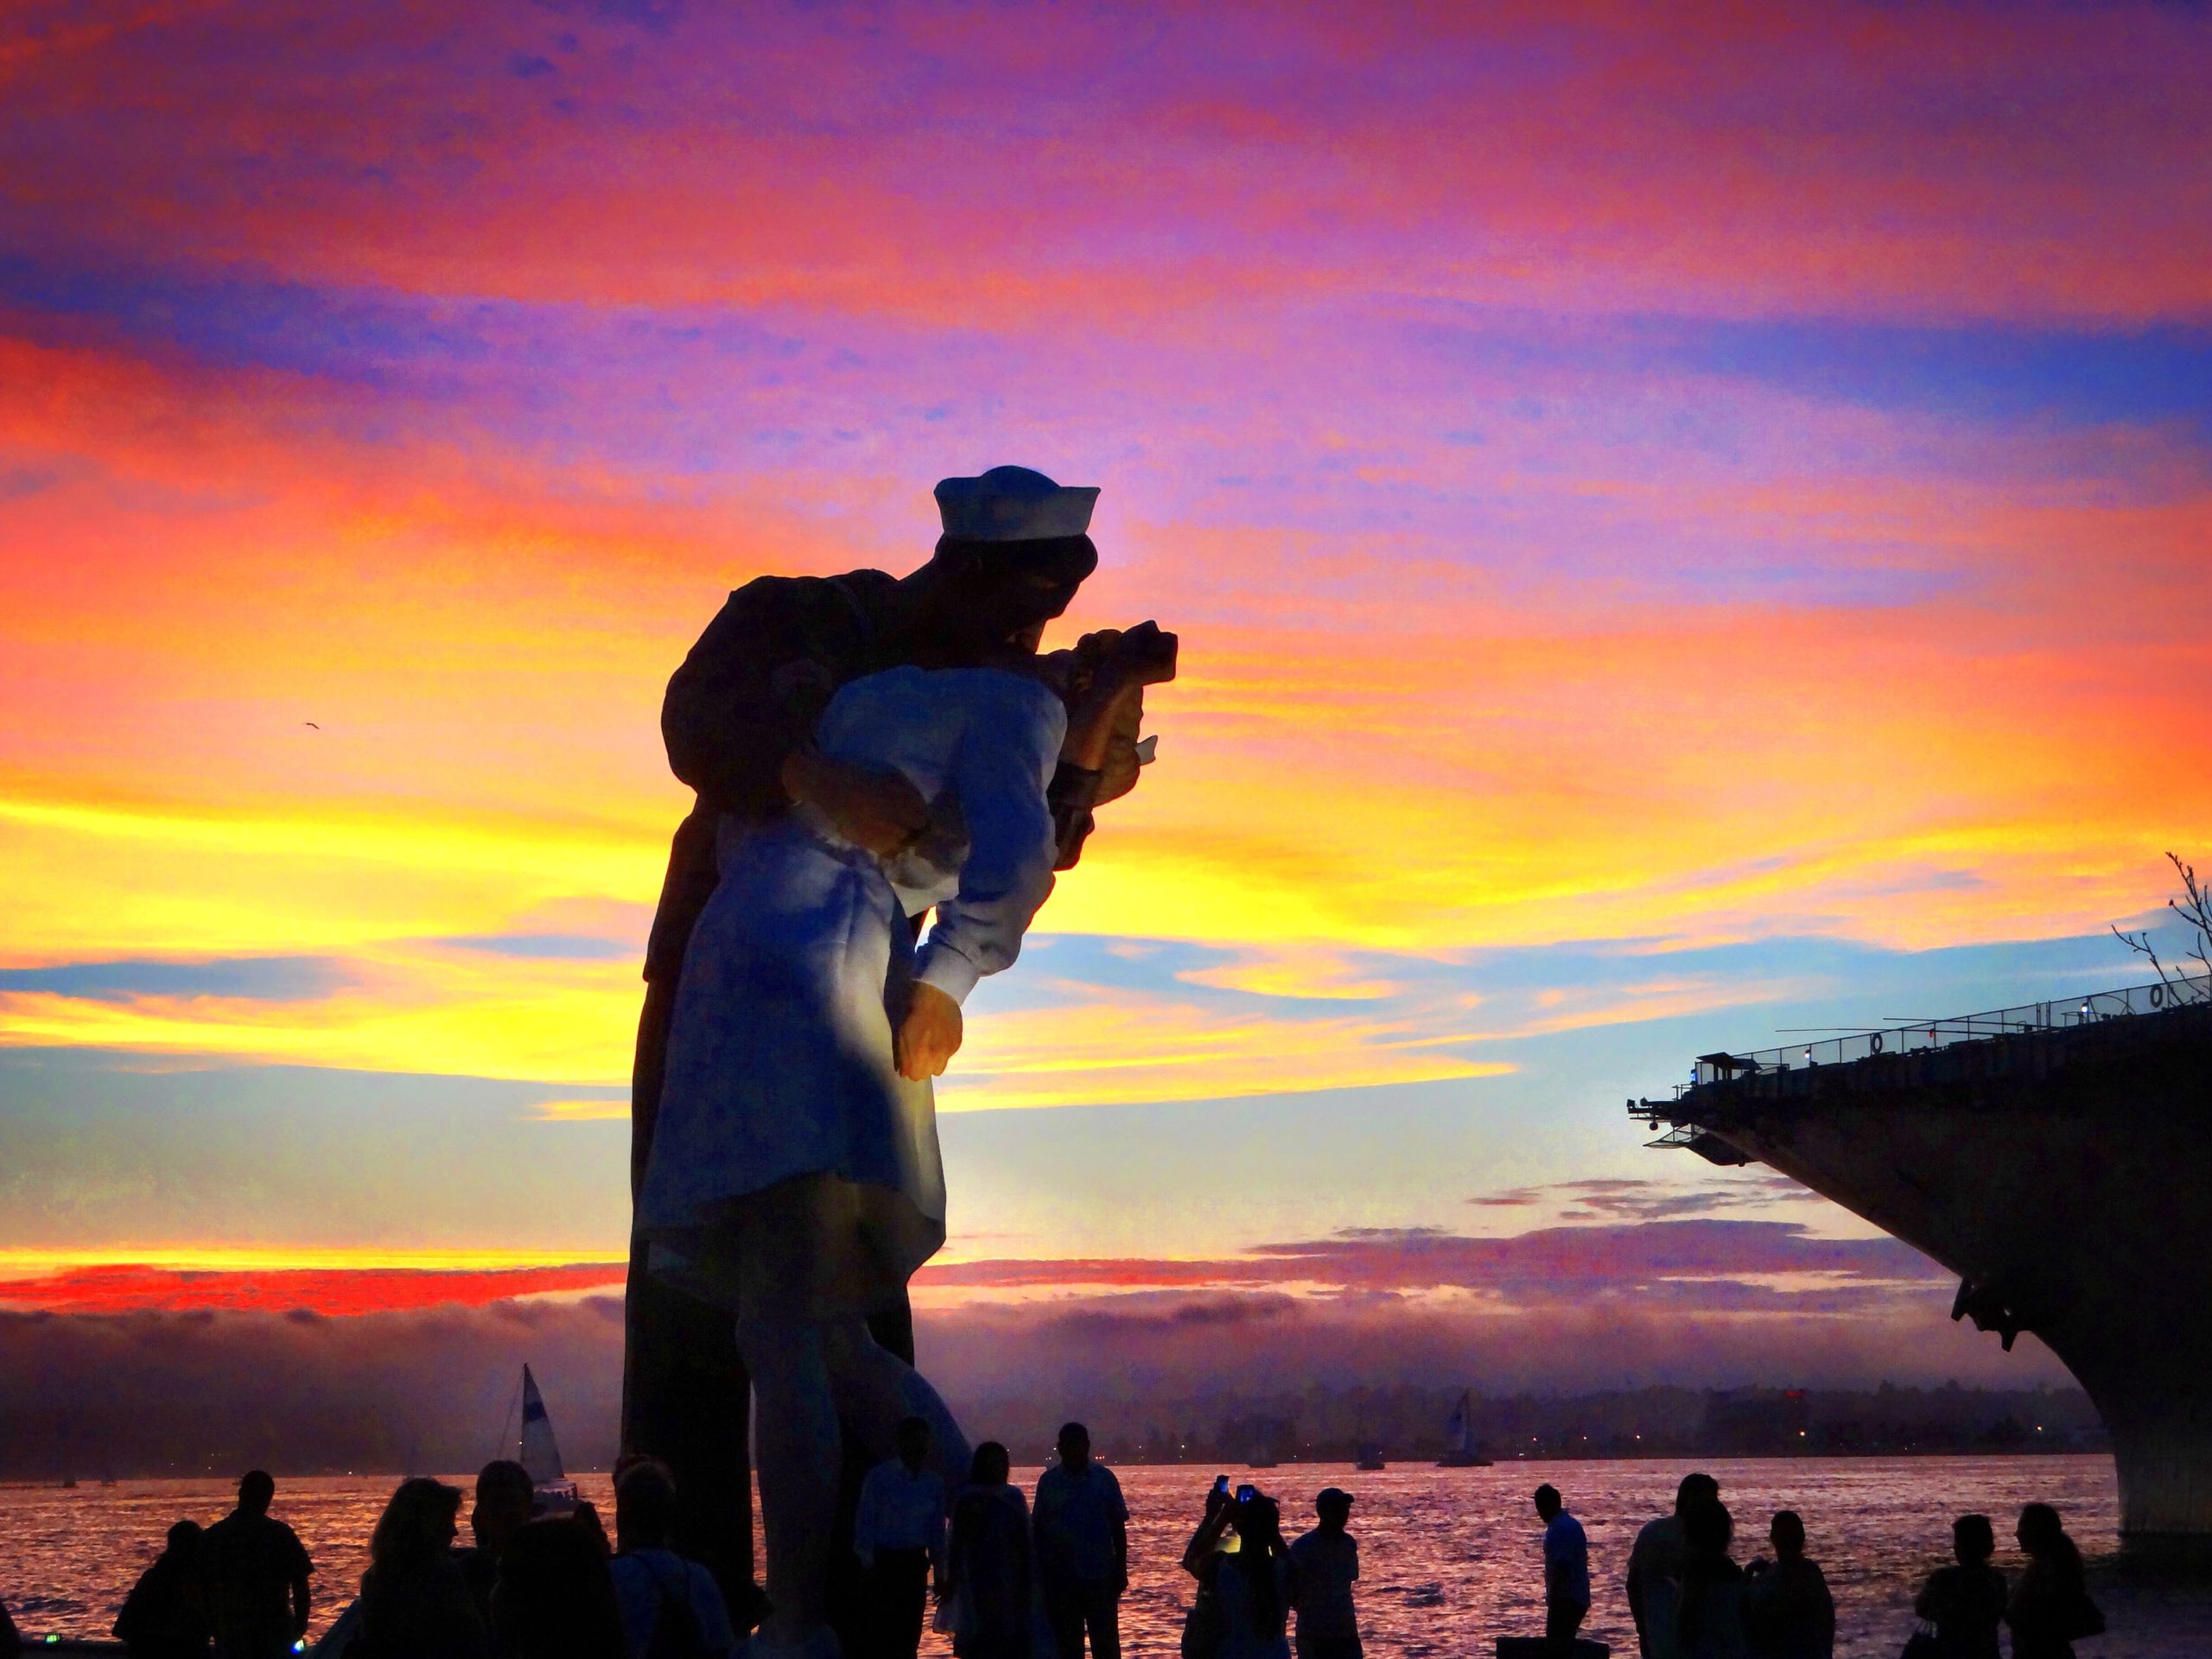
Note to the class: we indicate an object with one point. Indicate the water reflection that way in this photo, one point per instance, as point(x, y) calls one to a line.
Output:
point(1451, 1556)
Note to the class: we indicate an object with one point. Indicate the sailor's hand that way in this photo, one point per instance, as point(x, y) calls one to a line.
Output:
point(880, 811)
point(930, 1035)
point(1144, 655)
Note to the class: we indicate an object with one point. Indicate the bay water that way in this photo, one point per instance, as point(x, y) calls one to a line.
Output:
point(1449, 1557)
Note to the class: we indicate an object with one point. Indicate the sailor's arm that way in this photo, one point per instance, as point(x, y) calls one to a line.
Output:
point(746, 748)
point(726, 735)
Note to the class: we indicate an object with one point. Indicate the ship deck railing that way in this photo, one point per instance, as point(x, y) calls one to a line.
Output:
point(1906, 1036)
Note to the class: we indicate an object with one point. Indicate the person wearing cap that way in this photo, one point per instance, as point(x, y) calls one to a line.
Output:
point(1324, 1565)
point(793, 1177)
point(738, 722)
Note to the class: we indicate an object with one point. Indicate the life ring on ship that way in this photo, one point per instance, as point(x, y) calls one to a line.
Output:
point(1874, 1043)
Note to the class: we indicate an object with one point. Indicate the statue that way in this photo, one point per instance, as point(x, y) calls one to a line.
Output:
point(866, 749)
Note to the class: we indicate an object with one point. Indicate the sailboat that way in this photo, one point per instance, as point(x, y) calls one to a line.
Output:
point(1459, 1430)
point(540, 1456)
point(551, 1490)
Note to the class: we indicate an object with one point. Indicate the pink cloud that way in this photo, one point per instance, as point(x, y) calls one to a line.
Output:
point(1652, 1257)
point(2040, 162)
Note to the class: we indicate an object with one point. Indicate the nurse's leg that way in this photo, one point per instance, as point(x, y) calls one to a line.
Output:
point(795, 1451)
point(849, 1597)
point(876, 1391)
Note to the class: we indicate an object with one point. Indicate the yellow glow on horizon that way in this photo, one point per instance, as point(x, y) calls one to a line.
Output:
point(582, 1111)
point(1127, 1048)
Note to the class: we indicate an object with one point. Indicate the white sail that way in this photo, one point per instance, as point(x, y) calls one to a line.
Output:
point(538, 1454)
point(1459, 1428)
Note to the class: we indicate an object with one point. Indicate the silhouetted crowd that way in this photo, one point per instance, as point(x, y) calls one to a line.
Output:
point(1690, 1600)
point(1017, 1581)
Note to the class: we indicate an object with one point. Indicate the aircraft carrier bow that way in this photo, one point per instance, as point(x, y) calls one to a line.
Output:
point(2058, 1157)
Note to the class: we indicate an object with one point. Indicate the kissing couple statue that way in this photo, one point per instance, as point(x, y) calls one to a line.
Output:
point(866, 750)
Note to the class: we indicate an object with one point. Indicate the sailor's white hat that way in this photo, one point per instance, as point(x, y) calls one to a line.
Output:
point(1013, 503)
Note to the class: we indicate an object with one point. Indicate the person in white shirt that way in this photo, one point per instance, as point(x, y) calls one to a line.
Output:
point(652, 1584)
point(1567, 1571)
point(898, 1533)
point(1082, 1528)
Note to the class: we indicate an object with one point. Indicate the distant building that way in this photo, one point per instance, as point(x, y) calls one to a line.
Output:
point(1757, 1422)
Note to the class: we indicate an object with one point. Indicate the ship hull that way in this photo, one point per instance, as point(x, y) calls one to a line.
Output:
point(2066, 1176)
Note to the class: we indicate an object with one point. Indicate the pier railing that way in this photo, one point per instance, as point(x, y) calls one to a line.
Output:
point(1904, 1036)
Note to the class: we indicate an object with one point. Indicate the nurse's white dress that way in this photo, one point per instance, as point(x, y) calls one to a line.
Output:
point(792, 1168)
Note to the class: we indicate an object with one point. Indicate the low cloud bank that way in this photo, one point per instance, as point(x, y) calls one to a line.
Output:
point(217, 1391)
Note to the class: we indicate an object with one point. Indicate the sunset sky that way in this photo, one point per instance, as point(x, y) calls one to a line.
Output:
point(1684, 523)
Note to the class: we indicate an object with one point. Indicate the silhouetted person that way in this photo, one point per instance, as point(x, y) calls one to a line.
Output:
point(504, 1500)
point(1567, 1571)
point(987, 1577)
point(2050, 1608)
point(1966, 1602)
point(415, 1603)
point(672, 1608)
point(1324, 1565)
point(1655, 1566)
point(1709, 1620)
point(586, 1515)
point(555, 1599)
point(1214, 1539)
point(162, 1617)
point(253, 1577)
point(1255, 1585)
point(11, 1641)
point(899, 1535)
point(1082, 1531)
point(1788, 1611)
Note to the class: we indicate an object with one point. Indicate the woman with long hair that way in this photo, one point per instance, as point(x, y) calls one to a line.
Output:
point(1255, 1586)
point(163, 1618)
point(1709, 1619)
point(2050, 1608)
point(415, 1603)
point(987, 1576)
